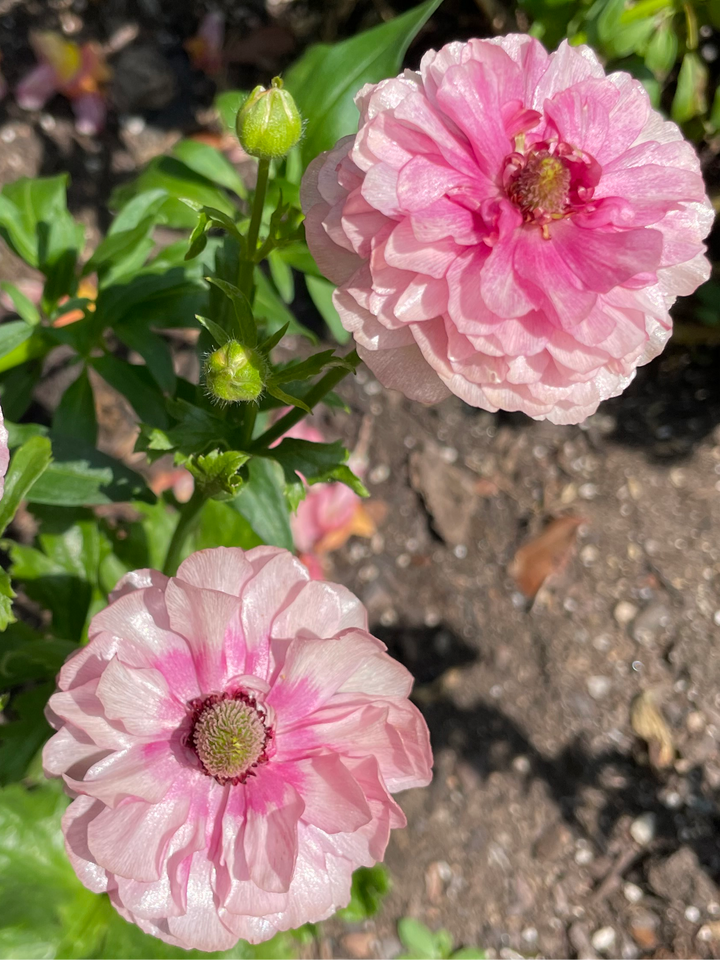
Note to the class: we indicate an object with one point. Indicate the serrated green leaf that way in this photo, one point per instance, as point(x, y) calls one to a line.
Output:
point(75, 414)
point(325, 79)
point(305, 462)
point(27, 465)
point(216, 473)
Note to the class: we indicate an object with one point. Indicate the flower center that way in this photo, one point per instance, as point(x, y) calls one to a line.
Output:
point(541, 186)
point(229, 736)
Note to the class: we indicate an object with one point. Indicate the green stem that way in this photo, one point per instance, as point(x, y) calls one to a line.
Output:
point(247, 264)
point(331, 379)
point(189, 515)
point(248, 425)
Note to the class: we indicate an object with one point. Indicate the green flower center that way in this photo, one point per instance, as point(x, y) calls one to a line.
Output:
point(543, 184)
point(229, 737)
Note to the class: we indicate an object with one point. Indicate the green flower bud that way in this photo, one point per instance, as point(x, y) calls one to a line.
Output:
point(234, 373)
point(269, 124)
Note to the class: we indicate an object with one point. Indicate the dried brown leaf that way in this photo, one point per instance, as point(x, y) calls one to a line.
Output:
point(545, 554)
point(649, 724)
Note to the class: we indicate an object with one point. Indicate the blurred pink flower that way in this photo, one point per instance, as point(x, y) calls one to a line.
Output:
point(77, 72)
point(233, 735)
point(4, 453)
point(205, 48)
point(509, 225)
point(330, 514)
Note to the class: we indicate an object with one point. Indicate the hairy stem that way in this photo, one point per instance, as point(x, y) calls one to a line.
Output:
point(331, 379)
point(189, 514)
point(247, 265)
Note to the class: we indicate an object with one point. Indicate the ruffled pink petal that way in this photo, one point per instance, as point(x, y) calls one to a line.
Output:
point(271, 841)
point(139, 699)
point(334, 801)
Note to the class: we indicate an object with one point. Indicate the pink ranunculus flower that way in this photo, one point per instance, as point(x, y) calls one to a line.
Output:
point(4, 453)
point(78, 72)
point(330, 514)
point(510, 226)
point(233, 736)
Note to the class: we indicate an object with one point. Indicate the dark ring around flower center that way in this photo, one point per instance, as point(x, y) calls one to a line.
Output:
point(229, 735)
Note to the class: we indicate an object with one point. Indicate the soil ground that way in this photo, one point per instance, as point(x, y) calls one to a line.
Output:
point(550, 828)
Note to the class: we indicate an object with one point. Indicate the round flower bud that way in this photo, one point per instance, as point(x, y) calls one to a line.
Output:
point(234, 373)
point(269, 124)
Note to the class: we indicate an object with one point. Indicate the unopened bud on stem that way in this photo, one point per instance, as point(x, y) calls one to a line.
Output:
point(269, 124)
point(234, 373)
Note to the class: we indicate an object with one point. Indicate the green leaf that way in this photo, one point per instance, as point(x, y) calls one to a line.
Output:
point(80, 475)
point(305, 369)
point(321, 291)
point(689, 99)
point(154, 350)
point(20, 739)
point(7, 595)
point(26, 657)
point(469, 953)
point(326, 78)
point(287, 398)
point(75, 414)
point(246, 327)
point(219, 335)
point(222, 526)
point(227, 105)
point(216, 473)
point(418, 940)
point(12, 334)
point(198, 238)
point(136, 386)
point(28, 463)
point(181, 183)
point(147, 296)
point(262, 502)
point(369, 886)
point(662, 50)
point(25, 308)
point(306, 462)
point(269, 307)
point(210, 163)
point(281, 272)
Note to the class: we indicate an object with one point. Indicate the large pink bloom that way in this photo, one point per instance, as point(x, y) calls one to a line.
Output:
point(233, 735)
point(509, 225)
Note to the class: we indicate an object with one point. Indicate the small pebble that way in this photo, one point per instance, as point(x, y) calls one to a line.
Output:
point(529, 935)
point(603, 939)
point(643, 828)
point(584, 856)
point(695, 722)
point(448, 454)
point(633, 893)
point(624, 612)
point(521, 764)
point(709, 931)
point(589, 555)
point(379, 474)
point(598, 687)
point(692, 914)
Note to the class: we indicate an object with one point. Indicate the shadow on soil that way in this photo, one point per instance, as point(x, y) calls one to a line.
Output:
point(489, 740)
